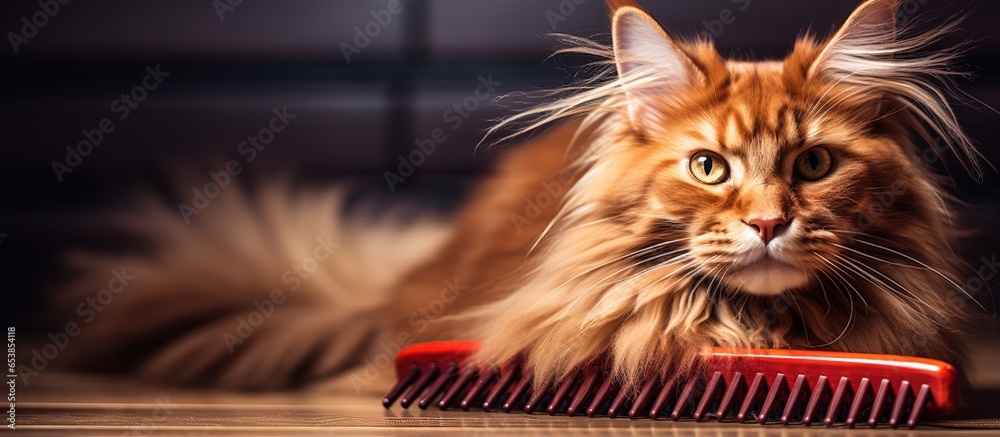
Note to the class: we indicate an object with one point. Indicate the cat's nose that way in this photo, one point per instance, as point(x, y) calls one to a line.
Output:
point(767, 228)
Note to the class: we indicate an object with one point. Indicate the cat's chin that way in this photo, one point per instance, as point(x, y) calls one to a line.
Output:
point(767, 278)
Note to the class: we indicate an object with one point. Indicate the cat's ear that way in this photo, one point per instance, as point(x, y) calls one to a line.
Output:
point(868, 31)
point(871, 25)
point(651, 66)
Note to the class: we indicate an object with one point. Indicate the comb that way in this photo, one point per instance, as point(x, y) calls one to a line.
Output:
point(757, 385)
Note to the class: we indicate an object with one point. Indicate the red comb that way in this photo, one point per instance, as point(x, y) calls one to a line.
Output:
point(763, 385)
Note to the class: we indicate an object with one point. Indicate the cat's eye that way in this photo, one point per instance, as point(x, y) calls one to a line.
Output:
point(813, 164)
point(709, 167)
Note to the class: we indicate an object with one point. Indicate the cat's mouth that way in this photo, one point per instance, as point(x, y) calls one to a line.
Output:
point(766, 275)
point(766, 261)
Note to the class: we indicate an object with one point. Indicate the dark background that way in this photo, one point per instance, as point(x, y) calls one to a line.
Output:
point(353, 119)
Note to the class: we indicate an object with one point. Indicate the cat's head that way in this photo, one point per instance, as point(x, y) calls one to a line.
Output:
point(773, 168)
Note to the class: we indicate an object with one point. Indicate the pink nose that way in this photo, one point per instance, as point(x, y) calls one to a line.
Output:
point(767, 228)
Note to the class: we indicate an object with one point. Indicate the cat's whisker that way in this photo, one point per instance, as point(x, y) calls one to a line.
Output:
point(802, 319)
point(833, 282)
point(837, 270)
point(901, 288)
point(633, 265)
point(659, 217)
point(851, 235)
point(560, 215)
point(743, 304)
point(693, 269)
point(843, 262)
point(620, 258)
point(875, 258)
point(921, 263)
point(643, 272)
point(826, 297)
point(568, 309)
point(850, 317)
point(673, 261)
point(696, 269)
point(687, 264)
point(866, 235)
point(594, 222)
point(822, 287)
point(879, 284)
point(718, 279)
point(636, 276)
point(703, 276)
point(657, 281)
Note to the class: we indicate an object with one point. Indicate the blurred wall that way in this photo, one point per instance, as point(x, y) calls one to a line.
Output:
point(203, 76)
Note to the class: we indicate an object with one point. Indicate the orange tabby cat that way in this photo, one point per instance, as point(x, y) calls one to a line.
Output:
point(684, 201)
point(719, 202)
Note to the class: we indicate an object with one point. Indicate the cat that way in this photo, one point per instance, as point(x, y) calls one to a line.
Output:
point(677, 200)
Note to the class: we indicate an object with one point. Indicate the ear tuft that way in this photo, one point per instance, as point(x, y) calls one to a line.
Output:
point(871, 25)
point(647, 61)
point(896, 66)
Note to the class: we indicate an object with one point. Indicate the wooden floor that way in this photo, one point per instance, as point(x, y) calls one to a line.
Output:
point(59, 404)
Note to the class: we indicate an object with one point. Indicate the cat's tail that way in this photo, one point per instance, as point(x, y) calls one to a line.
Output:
point(251, 289)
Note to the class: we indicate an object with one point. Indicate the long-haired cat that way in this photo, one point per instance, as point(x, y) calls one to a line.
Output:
point(684, 201)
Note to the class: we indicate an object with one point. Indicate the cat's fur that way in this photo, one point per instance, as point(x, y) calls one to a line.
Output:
point(596, 239)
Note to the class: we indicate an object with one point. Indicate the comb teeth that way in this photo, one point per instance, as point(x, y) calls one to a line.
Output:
point(760, 403)
point(760, 396)
point(584, 391)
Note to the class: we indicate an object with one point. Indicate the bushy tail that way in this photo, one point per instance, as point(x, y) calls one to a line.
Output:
point(259, 290)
